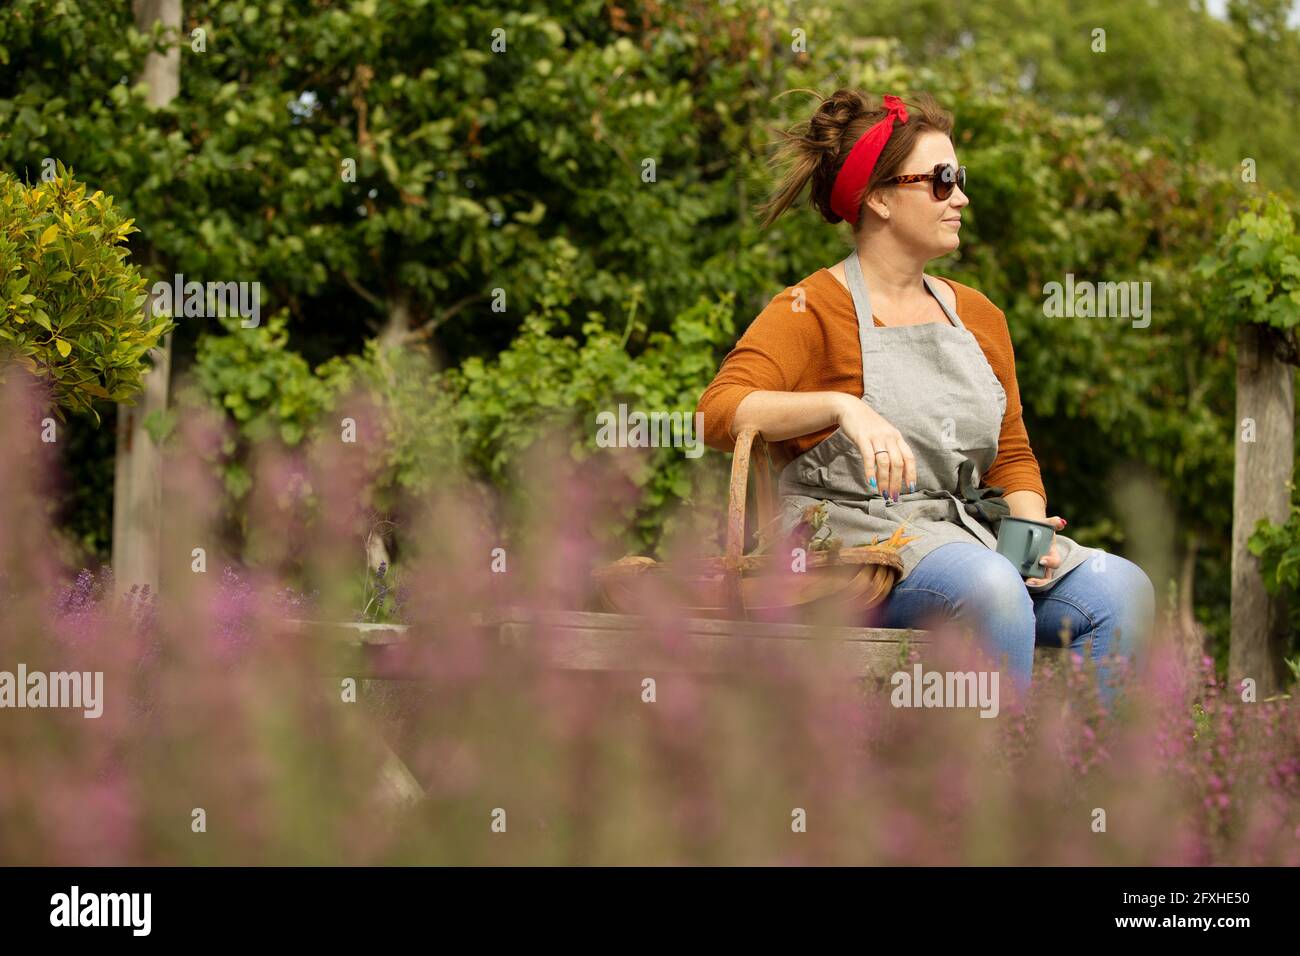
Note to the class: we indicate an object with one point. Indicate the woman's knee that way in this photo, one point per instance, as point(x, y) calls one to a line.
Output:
point(982, 590)
point(993, 600)
point(992, 592)
point(1124, 595)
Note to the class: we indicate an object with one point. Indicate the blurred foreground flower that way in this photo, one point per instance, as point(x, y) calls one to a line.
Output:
point(232, 735)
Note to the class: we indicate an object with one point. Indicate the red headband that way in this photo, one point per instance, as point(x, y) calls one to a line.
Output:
point(846, 194)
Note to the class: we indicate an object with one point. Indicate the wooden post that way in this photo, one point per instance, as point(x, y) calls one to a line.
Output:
point(1261, 471)
point(137, 478)
point(137, 481)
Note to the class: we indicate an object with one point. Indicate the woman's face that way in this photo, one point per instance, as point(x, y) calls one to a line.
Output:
point(918, 220)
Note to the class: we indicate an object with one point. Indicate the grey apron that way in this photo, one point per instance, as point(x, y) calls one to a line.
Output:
point(933, 383)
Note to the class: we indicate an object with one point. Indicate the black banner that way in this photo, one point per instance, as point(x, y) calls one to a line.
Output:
point(365, 905)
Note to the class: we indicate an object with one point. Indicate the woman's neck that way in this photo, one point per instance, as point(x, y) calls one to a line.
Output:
point(890, 272)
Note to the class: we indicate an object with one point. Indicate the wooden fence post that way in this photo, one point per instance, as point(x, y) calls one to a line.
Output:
point(137, 468)
point(1261, 471)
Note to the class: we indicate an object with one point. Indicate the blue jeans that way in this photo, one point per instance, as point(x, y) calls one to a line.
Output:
point(1104, 607)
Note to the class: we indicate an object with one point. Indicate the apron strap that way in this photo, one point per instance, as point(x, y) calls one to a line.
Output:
point(952, 315)
point(862, 298)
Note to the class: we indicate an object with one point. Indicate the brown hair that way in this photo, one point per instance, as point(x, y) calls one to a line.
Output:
point(817, 148)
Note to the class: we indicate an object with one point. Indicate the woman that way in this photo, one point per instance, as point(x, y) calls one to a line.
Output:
point(895, 395)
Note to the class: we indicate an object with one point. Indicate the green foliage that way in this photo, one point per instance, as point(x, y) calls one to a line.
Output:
point(1210, 89)
point(71, 306)
point(482, 416)
point(416, 415)
point(1278, 548)
point(265, 387)
point(270, 392)
point(1255, 271)
point(546, 383)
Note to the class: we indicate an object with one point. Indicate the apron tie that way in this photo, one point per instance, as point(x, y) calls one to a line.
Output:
point(986, 503)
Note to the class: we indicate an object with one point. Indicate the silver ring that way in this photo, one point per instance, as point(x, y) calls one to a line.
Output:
point(882, 453)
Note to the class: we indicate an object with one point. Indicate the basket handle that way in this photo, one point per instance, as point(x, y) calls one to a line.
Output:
point(749, 443)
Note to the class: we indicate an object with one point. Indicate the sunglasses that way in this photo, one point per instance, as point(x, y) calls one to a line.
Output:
point(941, 180)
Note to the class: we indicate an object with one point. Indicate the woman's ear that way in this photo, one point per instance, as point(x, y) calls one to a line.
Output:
point(876, 203)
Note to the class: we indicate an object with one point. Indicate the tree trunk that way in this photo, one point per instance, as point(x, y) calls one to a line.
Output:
point(1262, 469)
point(161, 71)
point(137, 479)
point(397, 327)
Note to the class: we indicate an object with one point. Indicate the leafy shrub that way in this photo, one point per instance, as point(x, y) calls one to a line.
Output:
point(71, 306)
point(544, 381)
point(480, 418)
point(1278, 548)
point(1255, 274)
point(421, 445)
point(266, 387)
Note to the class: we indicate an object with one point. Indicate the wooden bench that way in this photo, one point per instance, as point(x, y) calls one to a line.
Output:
point(584, 641)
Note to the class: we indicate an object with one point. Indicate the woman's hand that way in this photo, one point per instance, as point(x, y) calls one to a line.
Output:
point(1052, 559)
point(890, 465)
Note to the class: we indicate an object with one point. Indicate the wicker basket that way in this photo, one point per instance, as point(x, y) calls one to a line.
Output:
point(738, 586)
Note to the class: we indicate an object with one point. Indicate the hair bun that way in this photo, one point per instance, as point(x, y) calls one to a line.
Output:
point(835, 114)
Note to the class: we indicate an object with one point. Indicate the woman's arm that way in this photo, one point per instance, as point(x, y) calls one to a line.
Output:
point(1015, 468)
point(782, 415)
point(888, 463)
point(771, 356)
point(1027, 504)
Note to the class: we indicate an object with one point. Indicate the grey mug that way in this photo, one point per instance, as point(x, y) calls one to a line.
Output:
point(1024, 542)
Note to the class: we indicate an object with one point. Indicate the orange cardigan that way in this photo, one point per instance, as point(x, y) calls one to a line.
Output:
point(821, 353)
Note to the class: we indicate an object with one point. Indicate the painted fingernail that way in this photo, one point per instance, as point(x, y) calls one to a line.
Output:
point(911, 487)
point(873, 484)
